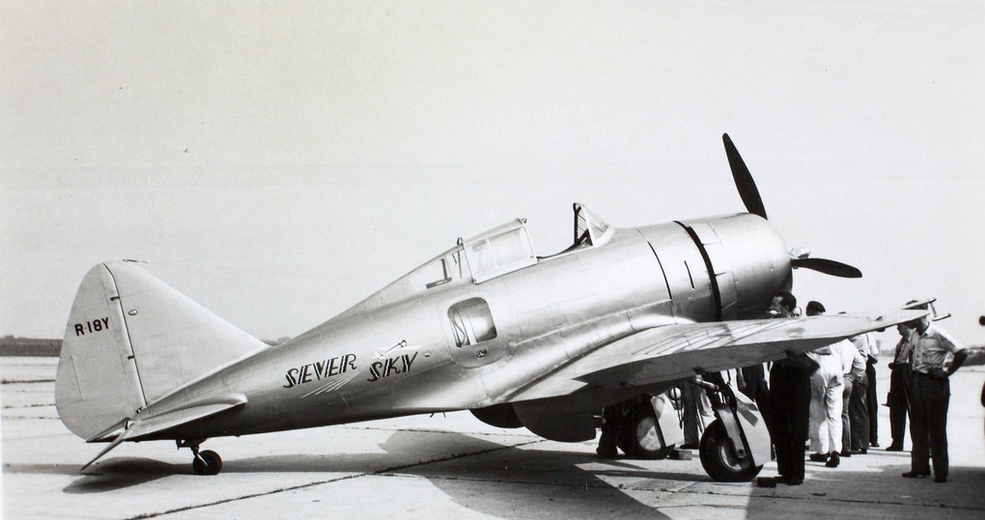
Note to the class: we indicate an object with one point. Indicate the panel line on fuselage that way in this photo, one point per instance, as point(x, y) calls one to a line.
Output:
point(716, 291)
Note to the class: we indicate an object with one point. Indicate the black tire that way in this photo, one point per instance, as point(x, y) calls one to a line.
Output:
point(207, 463)
point(719, 460)
point(641, 437)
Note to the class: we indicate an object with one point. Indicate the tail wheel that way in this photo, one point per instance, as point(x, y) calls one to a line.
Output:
point(641, 440)
point(207, 463)
point(719, 460)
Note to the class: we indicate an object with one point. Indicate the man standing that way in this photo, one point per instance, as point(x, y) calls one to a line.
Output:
point(872, 399)
point(826, 397)
point(899, 388)
point(790, 400)
point(858, 407)
point(931, 396)
point(854, 366)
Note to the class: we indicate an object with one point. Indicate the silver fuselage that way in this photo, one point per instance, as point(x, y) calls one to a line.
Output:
point(422, 346)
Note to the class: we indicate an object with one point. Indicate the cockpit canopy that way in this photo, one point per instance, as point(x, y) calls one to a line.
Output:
point(498, 251)
point(507, 248)
point(491, 254)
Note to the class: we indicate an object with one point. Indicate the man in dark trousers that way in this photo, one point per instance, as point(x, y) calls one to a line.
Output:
point(930, 398)
point(790, 401)
point(858, 407)
point(871, 399)
point(899, 388)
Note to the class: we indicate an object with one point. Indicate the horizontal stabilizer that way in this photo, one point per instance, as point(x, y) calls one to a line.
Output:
point(149, 423)
point(187, 413)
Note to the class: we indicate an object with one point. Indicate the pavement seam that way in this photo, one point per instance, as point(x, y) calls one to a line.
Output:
point(815, 498)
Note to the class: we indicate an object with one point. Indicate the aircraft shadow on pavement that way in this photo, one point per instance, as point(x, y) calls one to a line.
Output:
point(473, 471)
point(120, 473)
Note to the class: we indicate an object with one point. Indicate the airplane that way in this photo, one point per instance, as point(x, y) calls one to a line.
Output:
point(521, 340)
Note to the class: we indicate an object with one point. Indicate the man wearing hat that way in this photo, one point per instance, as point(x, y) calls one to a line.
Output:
point(930, 398)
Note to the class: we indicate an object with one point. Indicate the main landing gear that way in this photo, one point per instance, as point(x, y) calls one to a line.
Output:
point(733, 448)
point(736, 445)
point(205, 462)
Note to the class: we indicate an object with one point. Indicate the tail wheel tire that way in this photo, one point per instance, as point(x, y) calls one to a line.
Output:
point(207, 463)
point(641, 440)
point(719, 460)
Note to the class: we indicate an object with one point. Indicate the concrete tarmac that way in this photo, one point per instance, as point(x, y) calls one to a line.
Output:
point(448, 466)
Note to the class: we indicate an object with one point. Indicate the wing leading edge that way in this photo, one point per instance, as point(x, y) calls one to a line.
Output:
point(678, 351)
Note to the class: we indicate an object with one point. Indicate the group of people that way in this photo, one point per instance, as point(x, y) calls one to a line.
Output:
point(828, 396)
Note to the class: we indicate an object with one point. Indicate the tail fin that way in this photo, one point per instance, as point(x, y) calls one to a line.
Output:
point(131, 340)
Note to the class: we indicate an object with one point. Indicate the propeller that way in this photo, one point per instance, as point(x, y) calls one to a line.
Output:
point(743, 180)
point(823, 265)
point(754, 204)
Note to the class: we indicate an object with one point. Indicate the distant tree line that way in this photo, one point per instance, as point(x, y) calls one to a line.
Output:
point(36, 347)
point(14, 346)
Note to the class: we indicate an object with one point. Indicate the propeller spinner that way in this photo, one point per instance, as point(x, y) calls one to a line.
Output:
point(754, 204)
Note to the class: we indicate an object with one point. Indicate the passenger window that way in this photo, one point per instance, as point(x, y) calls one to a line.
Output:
point(471, 322)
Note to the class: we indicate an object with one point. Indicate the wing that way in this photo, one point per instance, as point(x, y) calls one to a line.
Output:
point(678, 351)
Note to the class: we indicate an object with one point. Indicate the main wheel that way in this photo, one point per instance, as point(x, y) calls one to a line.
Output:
point(641, 439)
point(719, 459)
point(207, 463)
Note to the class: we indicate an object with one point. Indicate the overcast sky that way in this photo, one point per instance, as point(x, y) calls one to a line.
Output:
point(279, 162)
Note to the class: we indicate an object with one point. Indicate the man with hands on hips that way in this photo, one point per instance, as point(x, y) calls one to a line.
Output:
point(931, 393)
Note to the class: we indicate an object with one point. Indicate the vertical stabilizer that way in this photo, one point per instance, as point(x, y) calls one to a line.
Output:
point(97, 385)
point(131, 340)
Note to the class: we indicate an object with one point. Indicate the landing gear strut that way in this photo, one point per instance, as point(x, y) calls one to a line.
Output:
point(736, 445)
point(205, 462)
point(644, 427)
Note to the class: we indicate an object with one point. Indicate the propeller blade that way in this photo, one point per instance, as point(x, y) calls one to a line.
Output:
point(823, 265)
point(743, 179)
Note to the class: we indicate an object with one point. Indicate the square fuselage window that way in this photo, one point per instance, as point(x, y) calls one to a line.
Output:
point(471, 322)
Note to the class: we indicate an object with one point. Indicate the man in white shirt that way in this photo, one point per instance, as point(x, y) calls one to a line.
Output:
point(930, 398)
point(827, 383)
